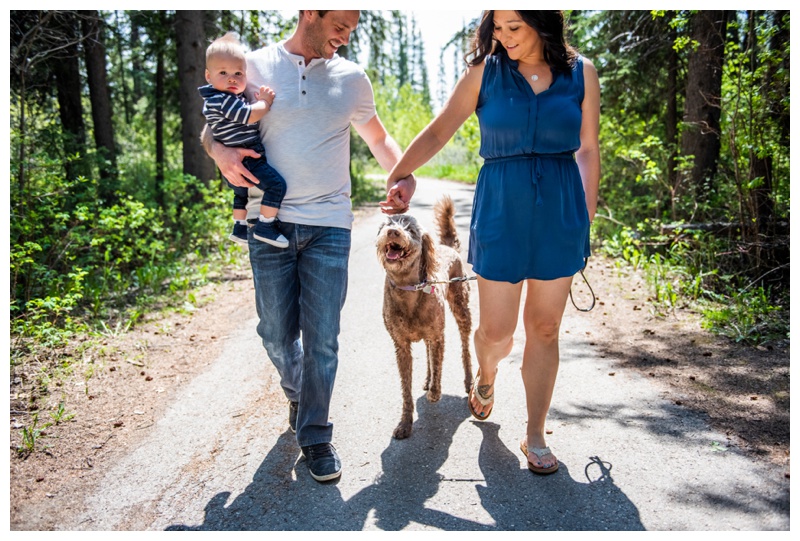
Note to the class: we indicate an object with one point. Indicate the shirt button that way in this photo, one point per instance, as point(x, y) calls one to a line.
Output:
point(304, 92)
point(304, 77)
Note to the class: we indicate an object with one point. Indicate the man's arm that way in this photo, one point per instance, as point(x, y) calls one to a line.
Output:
point(229, 160)
point(388, 153)
point(380, 143)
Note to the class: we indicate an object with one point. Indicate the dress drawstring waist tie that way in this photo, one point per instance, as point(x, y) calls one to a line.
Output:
point(537, 166)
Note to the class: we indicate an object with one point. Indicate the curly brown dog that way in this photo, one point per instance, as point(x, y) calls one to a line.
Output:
point(411, 257)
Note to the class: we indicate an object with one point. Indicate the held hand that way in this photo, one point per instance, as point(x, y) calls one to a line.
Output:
point(399, 196)
point(229, 161)
point(266, 94)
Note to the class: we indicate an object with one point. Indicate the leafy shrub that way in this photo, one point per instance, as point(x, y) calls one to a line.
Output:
point(684, 268)
point(73, 259)
point(748, 316)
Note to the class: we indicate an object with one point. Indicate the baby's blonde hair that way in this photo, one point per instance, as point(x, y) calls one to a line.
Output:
point(228, 44)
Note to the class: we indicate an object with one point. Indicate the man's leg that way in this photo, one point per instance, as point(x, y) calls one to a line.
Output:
point(322, 270)
point(277, 304)
point(300, 292)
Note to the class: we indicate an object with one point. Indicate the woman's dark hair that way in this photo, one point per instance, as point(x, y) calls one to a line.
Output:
point(548, 24)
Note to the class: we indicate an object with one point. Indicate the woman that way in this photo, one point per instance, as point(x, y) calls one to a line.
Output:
point(538, 104)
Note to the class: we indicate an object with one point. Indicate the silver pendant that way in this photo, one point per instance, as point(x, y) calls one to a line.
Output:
point(534, 77)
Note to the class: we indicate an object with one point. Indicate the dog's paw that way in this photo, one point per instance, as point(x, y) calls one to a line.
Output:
point(468, 384)
point(434, 395)
point(426, 385)
point(402, 431)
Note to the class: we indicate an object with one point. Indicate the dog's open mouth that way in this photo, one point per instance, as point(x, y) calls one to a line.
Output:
point(395, 252)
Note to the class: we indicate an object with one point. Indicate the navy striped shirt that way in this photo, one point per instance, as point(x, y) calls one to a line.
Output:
point(227, 115)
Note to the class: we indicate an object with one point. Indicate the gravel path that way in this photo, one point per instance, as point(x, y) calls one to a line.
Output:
point(222, 457)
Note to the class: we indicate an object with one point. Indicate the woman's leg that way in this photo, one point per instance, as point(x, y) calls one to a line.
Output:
point(494, 337)
point(544, 307)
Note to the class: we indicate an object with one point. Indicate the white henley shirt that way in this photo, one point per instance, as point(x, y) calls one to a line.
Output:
point(306, 133)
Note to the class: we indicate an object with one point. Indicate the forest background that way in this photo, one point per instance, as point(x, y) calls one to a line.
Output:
point(117, 211)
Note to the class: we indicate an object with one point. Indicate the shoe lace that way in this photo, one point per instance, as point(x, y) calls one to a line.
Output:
point(320, 450)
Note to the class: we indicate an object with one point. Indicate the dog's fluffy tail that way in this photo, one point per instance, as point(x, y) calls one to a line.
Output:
point(444, 211)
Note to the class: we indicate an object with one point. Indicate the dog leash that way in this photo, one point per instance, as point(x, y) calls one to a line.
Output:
point(430, 287)
point(585, 262)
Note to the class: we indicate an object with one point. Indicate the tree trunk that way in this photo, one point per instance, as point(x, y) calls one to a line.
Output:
point(66, 69)
point(702, 108)
point(122, 85)
point(191, 45)
point(760, 167)
point(137, 63)
point(780, 42)
point(671, 119)
point(160, 159)
point(401, 38)
point(762, 195)
point(23, 136)
point(419, 61)
point(95, 56)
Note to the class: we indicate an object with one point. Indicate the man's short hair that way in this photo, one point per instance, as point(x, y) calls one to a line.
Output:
point(228, 44)
point(321, 12)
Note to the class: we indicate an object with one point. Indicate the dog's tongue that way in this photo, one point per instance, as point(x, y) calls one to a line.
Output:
point(393, 252)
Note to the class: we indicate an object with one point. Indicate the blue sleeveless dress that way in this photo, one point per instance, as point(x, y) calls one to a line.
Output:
point(529, 217)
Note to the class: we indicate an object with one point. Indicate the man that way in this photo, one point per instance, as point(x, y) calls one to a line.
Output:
point(300, 290)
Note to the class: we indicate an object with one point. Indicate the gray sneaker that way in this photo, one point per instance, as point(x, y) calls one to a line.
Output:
point(323, 462)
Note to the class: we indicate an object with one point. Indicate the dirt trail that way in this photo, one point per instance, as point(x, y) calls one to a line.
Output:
point(182, 425)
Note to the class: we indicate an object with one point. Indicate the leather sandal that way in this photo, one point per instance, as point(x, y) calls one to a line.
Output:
point(539, 452)
point(484, 400)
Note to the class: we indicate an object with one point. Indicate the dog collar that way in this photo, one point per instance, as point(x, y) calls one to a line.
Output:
point(425, 287)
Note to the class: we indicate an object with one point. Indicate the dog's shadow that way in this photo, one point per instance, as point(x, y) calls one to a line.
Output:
point(410, 471)
point(281, 498)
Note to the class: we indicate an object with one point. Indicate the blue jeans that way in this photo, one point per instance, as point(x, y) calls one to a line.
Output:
point(300, 292)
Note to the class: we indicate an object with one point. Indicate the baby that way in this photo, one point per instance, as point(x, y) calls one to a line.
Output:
point(234, 122)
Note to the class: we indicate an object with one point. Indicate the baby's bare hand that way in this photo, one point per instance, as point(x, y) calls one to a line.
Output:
point(266, 94)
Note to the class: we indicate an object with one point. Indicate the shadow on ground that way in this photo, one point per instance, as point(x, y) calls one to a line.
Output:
point(513, 497)
point(742, 389)
point(519, 500)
